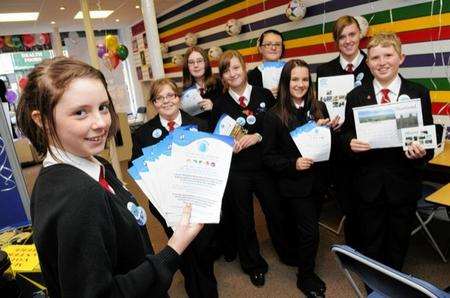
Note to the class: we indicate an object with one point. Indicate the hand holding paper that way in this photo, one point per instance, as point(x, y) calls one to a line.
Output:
point(185, 232)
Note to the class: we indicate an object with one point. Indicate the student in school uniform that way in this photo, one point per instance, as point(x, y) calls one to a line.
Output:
point(351, 60)
point(299, 179)
point(197, 72)
point(271, 48)
point(197, 264)
point(387, 181)
point(247, 104)
point(88, 241)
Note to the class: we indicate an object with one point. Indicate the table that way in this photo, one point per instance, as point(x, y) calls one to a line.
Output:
point(438, 169)
point(441, 196)
point(443, 159)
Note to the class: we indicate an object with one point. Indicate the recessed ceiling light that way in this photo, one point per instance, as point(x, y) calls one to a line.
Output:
point(137, 7)
point(53, 22)
point(117, 20)
point(94, 14)
point(62, 8)
point(19, 16)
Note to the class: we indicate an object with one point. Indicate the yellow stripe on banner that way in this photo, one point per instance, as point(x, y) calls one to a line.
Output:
point(440, 96)
point(223, 12)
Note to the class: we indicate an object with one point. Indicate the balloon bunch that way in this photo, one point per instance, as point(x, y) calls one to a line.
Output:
point(111, 52)
point(25, 41)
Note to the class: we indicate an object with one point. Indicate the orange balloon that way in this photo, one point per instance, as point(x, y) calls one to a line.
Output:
point(115, 60)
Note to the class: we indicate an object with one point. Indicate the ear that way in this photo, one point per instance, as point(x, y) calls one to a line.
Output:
point(402, 58)
point(36, 116)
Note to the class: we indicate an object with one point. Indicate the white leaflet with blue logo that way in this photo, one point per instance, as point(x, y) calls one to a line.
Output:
point(202, 162)
point(313, 141)
point(225, 125)
point(333, 91)
point(271, 73)
point(189, 101)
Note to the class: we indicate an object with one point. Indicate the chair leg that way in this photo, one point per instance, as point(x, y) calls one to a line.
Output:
point(336, 231)
point(429, 218)
point(430, 237)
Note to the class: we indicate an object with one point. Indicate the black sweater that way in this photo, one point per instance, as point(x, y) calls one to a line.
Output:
point(280, 155)
point(261, 100)
point(89, 244)
point(255, 77)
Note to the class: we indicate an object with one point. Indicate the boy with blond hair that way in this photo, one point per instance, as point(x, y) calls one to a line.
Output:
point(387, 181)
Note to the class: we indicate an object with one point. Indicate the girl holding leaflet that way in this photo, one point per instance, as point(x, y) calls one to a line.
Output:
point(88, 241)
point(299, 178)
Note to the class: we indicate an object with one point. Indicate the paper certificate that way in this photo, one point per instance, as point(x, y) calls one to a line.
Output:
point(313, 141)
point(202, 164)
point(424, 135)
point(189, 101)
point(333, 91)
point(227, 126)
point(380, 124)
point(271, 73)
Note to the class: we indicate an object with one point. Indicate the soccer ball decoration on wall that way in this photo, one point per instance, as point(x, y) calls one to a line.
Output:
point(233, 27)
point(214, 53)
point(295, 10)
point(190, 39)
point(178, 60)
point(363, 25)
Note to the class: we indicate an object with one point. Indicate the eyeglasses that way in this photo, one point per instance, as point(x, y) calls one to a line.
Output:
point(269, 45)
point(169, 96)
point(198, 61)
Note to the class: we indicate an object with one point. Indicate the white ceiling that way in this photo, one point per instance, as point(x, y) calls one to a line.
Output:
point(124, 10)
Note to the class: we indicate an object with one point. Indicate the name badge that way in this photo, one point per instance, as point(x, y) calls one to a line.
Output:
point(157, 133)
point(138, 213)
point(404, 97)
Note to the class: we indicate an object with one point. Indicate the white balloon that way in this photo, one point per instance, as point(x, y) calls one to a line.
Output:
point(363, 25)
point(233, 27)
point(214, 53)
point(296, 10)
point(190, 39)
point(178, 60)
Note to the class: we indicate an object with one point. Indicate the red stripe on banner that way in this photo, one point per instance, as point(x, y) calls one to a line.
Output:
point(265, 5)
point(440, 108)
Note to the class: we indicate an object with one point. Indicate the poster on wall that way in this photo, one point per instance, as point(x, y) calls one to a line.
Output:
point(140, 52)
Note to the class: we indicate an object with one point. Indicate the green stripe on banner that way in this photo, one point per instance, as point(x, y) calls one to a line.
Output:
point(442, 84)
point(381, 17)
point(197, 15)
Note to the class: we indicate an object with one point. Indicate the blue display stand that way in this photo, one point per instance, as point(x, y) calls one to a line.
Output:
point(14, 200)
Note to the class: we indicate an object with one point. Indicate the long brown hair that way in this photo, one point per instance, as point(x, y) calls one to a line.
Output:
point(224, 65)
point(47, 83)
point(285, 107)
point(188, 79)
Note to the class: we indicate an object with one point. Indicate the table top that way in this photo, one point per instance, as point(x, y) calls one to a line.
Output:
point(441, 196)
point(443, 159)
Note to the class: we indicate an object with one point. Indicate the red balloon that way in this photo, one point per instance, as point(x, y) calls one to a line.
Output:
point(28, 40)
point(23, 82)
point(44, 38)
point(114, 58)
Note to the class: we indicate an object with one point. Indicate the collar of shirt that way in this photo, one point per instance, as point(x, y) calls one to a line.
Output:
point(301, 105)
point(246, 94)
point(90, 167)
point(198, 86)
point(394, 89)
point(177, 121)
point(355, 62)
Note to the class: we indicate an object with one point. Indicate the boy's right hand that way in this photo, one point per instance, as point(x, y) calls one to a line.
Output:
point(185, 232)
point(359, 146)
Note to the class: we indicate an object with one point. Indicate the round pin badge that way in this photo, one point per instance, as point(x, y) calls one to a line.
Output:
point(142, 216)
point(240, 121)
point(133, 209)
point(262, 105)
point(251, 119)
point(360, 76)
point(157, 133)
point(404, 97)
point(357, 84)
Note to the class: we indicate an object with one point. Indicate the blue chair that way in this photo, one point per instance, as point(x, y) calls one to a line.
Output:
point(383, 280)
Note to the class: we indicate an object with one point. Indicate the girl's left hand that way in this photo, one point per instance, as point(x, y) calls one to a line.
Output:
point(245, 142)
point(334, 124)
point(415, 151)
point(323, 122)
point(205, 104)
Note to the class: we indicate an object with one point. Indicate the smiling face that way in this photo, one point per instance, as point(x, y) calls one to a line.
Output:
point(299, 84)
point(235, 76)
point(82, 118)
point(167, 102)
point(384, 63)
point(271, 47)
point(196, 65)
point(348, 42)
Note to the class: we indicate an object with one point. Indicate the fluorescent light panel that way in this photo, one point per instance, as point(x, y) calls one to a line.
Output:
point(19, 17)
point(95, 14)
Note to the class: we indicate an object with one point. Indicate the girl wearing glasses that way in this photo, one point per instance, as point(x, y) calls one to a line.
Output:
point(271, 48)
point(197, 264)
point(247, 104)
point(197, 73)
point(88, 241)
point(298, 176)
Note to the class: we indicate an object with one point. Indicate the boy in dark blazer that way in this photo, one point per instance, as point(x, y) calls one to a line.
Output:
point(387, 181)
